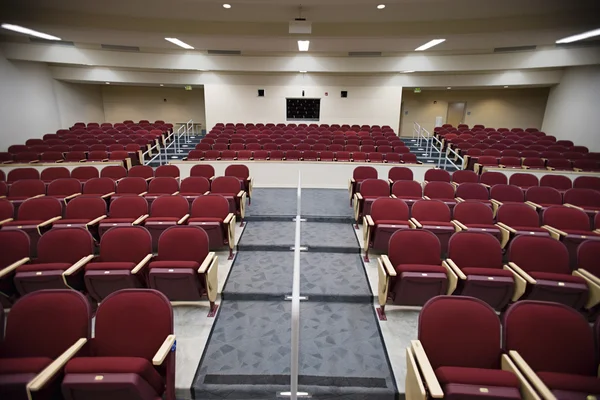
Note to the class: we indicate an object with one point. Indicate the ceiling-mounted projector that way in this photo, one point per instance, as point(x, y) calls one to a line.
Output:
point(300, 26)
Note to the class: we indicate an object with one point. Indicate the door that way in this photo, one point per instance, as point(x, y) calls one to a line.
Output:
point(456, 113)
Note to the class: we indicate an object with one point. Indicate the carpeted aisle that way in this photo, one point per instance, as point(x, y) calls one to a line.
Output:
point(342, 355)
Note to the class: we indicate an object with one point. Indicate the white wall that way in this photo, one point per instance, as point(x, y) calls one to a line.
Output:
point(573, 110)
point(28, 107)
point(137, 102)
point(78, 102)
point(371, 100)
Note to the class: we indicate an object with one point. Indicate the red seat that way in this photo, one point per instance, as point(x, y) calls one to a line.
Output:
point(230, 187)
point(193, 187)
point(160, 186)
point(126, 210)
point(473, 191)
point(166, 211)
point(476, 217)
point(103, 187)
point(204, 170)
point(399, 174)
point(370, 189)
point(84, 212)
point(22, 190)
point(523, 180)
point(171, 171)
point(52, 173)
point(83, 174)
point(581, 182)
point(387, 216)
point(587, 199)
point(442, 191)
point(211, 213)
point(14, 251)
point(434, 216)
point(491, 178)
point(462, 176)
point(407, 190)
point(558, 182)
point(437, 175)
point(242, 172)
point(358, 176)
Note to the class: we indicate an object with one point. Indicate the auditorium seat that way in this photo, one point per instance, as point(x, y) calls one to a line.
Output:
point(473, 216)
point(85, 212)
point(542, 197)
point(412, 274)
point(64, 189)
point(166, 211)
point(484, 161)
point(523, 180)
point(22, 190)
point(407, 191)
point(193, 187)
point(473, 191)
point(83, 174)
point(491, 178)
point(516, 219)
point(437, 175)
point(343, 156)
point(133, 350)
point(587, 200)
point(462, 176)
point(504, 194)
point(558, 182)
point(326, 156)
point(581, 182)
point(553, 347)
point(124, 252)
point(230, 187)
point(43, 331)
point(542, 272)
point(369, 190)
point(160, 186)
point(399, 174)
point(211, 213)
point(204, 170)
point(171, 171)
point(460, 363)
point(559, 164)
point(126, 210)
point(386, 217)
point(7, 210)
point(588, 268)
point(434, 216)
point(14, 252)
point(114, 172)
point(359, 174)
point(61, 255)
point(130, 186)
point(76, 156)
point(242, 172)
point(442, 191)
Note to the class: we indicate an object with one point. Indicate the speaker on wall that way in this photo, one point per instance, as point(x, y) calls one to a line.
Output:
point(261, 92)
point(344, 93)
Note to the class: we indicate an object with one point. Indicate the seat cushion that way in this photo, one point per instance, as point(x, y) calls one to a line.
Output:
point(579, 232)
point(549, 276)
point(190, 194)
point(492, 228)
point(44, 267)
point(25, 365)
point(174, 264)
point(157, 220)
point(205, 219)
point(569, 382)
point(476, 376)
point(95, 266)
point(117, 365)
point(419, 268)
point(529, 228)
point(23, 223)
point(108, 221)
point(72, 222)
point(437, 223)
point(487, 272)
point(390, 222)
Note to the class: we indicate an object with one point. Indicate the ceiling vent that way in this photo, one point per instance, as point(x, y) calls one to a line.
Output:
point(225, 52)
point(364, 54)
point(117, 47)
point(513, 49)
point(44, 41)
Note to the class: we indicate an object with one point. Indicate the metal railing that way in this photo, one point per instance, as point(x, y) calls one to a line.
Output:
point(457, 158)
point(435, 144)
point(174, 140)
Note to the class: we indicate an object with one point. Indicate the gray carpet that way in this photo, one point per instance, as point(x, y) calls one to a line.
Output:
point(248, 355)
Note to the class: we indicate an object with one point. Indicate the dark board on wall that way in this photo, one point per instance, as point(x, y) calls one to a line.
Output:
point(300, 109)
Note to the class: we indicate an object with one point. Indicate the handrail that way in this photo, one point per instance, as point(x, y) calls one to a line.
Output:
point(416, 129)
point(295, 342)
point(457, 158)
point(182, 131)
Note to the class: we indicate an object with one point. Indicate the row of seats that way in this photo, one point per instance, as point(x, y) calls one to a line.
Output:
point(268, 144)
point(563, 164)
point(49, 352)
point(308, 155)
point(124, 156)
point(270, 126)
point(541, 350)
point(92, 142)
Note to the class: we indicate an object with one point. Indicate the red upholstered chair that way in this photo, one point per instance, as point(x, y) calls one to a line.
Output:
point(462, 176)
point(542, 197)
point(485, 161)
point(437, 175)
point(569, 225)
point(211, 213)
point(554, 349)
point(61, 256)
point(514, 219)
point(130, 186)
point(492, 178)
point(126, 210)
point(399, 174)
point(85, 212)
point(343, 156)
point(14, 252)
point(64, 189)
point(230, 187)
point(326, 156)
point(76, 156)
point(52, 173)
point(509, 162)
point(42, 330)
point(171, 171)
point(103, 187)
point(473, 216)
point(261, 155)
point(22, 190)
point(461, 363)
point(193, 187)
point(133, 350)
point(204, 170)
point(124, 253)
point(586, 199)
point(558, 182)
point(523, 180)
point(358, 176)
point(434, 216)
point(412, 274)
point(542, 265)
point(387, 216)
point(34, 217)
point(160, 186)
point(83, 174)
point(438, 190)
point(242, 172)
point(7, 210)
point(504, 194)
point(370, 189)
point(184, 269)
point(141, 171)
point(581, 182)
point(97, 155)
point(473, 191)
point(244, 155)
point(559, 164)
point(408, 191)
point(166, 211)
point(115, 172)
point(588, 268)
point(476, 258)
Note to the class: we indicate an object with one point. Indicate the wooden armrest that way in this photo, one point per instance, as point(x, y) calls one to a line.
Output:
point(459, 199)
point(96, 221)
point(141, 264)
point(78, 265)
point(426, 198)
point(72, 196)
point(4, 221)
point(358, 196)
point(487, 186)
point(393, 196)
point(149, 179)
point(164, 350)
point(532, 204)
point(352, 180)
point(391, 182)
point(140, 219)
point(593, 283)
point(55, 367)
point(228, 218)
point(183, 219)
point(175, 193)
point(494, 201)
point(207, 193)
point(414, 223)
point(10, 268)
point(240, 193)
point(577, 170)
point(37, 196)
point(107, 195)
point(389, 268)
point(455, 268)
point(49, 222)
point(504, 226)
point(207, 261)
point(459, 226)
point(435, 390)
point(522, 273)
point(520, 284)
point(526, 370)
point(572, 206)
point(143, 194)
point(555, 233)
point(527, 391)
point(211, 178)
point(369, 220)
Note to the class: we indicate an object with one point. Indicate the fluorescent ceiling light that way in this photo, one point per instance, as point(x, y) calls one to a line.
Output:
point(226, 5)
point(505, 87)
point(108, 83)
point(381, 6)
point(449, 87)
point(179, 43)
point(303, 45)
point(581, 36)
point(162, 84)
point(429, 44)
point(31, 32)
point(303, 72)
point(408, 72)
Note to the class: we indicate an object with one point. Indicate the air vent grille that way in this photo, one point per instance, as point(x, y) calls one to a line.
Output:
point(513, 49)
point(225, 52)
point(119, 48)
point(364, 54)
point(44, 41)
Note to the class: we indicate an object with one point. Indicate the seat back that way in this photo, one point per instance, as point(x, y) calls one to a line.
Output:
point(385, 208)
point(539, 254)
point(583, 197)
point(550, 337)
point(566, 218)
point(211, 206)
point(507, 193)
point(40, 209)
point(492, 178)
point(559, 182)
point(169, 206)
point(52, 173)
point(67, 245)
point(14, 245)
point(462, 176)
point(475, 250)
point(7, 210)
point(141, 171)
point(407, 189)
point(472, 191)
point(85, 207)
point(439, 190)
point(437, 175)
point(171, 171)
point(85, 173)
point(581, 182)
point(476, 347)
point(205, 170)
point(410, 246)
point(128, 207)
point(183, 243)
point(64, 187)
point(46, 323)
point(195, 184)
point(132, 185)
point(238, 170)
point(431, 210)
point(125, 244)
point(518, 215)
point(27, 188)
point(543, 195)
point(364, 172)
point(473, 212)
point(114, 172)
point(400, 174)
point(229, 185)
point(523, 180)
point(163, 185)
point(375, 187)
point(588, 254)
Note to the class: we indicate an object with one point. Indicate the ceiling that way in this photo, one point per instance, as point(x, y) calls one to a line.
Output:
point(338, 26)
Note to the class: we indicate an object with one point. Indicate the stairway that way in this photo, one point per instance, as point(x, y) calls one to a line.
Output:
point(422, 156)
point(183, 149)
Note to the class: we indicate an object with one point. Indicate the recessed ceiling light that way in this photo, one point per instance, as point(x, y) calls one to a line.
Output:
point(162, 84)
point(381, 6)
point(505, 87)
point(303, 45)
point(31, 32)
point(226, 5)
point(429, 44)
point(108, 83)
point(303, 72)
point(408, 72)
point(179, 43)
point(449, 87)
point(580, 36)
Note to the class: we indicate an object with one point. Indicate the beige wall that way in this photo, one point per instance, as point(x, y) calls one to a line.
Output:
point(136, 102)
point(494, 108)
point(78, 103)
